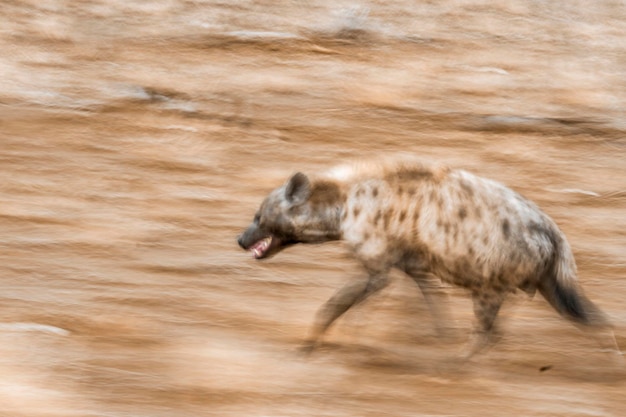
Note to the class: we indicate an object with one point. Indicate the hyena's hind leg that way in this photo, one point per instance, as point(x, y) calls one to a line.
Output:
point(346, 298)
point(486, 307)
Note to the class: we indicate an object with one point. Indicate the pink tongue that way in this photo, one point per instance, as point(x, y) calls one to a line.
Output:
point(261, 247)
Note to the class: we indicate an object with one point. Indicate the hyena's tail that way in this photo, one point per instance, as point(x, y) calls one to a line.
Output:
point(560, 288)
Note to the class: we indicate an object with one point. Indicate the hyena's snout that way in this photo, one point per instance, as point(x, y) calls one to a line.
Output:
point(250, 236)
point(258, 242)
point(240, 241)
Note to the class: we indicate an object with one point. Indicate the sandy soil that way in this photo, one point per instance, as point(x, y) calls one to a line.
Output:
point(138, 137)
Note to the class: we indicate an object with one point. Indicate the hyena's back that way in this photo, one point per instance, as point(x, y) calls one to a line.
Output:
point(469, 231)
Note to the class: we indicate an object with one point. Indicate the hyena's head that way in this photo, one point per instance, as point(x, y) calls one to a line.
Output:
point(299, 211)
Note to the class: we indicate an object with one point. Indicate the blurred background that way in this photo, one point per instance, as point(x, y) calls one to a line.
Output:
point(137, 139)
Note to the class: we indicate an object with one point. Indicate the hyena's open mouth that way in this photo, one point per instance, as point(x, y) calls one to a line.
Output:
point(264, 247)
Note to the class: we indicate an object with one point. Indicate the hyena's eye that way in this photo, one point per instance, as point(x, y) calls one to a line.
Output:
point(257, 218)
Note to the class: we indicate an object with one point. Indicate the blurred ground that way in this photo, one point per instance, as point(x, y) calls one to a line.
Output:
point(138, 137)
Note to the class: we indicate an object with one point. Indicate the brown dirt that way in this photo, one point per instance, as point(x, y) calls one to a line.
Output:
point(138, 137)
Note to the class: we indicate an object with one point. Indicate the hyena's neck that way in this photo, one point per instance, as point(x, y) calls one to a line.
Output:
point(327, 202)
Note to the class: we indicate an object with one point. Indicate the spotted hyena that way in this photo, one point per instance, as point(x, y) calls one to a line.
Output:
point(427, 220)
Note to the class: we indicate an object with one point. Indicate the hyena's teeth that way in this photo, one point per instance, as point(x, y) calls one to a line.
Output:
point(259, 248)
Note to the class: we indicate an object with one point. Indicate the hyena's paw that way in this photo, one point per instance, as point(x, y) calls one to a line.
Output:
point(307, 347)
point(453, 363)
point(479, 342)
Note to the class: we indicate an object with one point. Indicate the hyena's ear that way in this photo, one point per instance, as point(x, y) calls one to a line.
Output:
point(298, 189)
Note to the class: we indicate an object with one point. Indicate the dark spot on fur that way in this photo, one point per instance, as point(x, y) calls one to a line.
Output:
point(411, 190)
point(377, 217)
point(366, 235)
point(506, 228)
point(432, 195)
point(541, 230)
point(470, 251)
point(400, 189)
point(446, 228)
point(356, 211)
point(387, 218)
point(485, 240)
point(462, 213)
point(402, 215)
point(375, 192)
point(416, 216)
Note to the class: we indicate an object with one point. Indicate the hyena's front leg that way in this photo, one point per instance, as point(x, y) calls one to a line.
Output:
point(436, 302)
point(486, 307)
point(431, 290)
point(347, 297)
